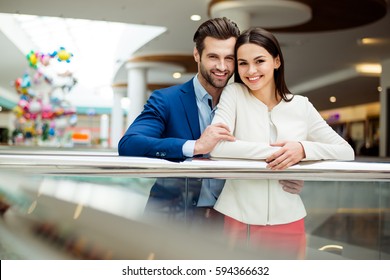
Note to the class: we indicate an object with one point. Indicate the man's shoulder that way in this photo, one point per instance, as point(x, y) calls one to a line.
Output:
point(177, 89)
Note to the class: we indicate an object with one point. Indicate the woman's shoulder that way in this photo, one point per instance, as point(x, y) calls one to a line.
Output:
point(299, 102)
point(297, 99)
point(237, 88)
point(235, 85)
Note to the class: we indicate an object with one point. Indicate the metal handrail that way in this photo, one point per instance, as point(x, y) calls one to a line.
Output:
point(109, 164)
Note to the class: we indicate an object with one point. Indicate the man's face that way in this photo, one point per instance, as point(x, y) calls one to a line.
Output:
point(216, 64)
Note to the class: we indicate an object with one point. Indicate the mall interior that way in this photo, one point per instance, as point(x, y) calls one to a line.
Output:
point(74, 76)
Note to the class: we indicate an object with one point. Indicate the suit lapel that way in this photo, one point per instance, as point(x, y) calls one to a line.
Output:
point(190, 107)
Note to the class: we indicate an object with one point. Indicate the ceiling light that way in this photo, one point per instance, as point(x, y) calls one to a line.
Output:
point(373, 41)
point(196, 17)
point(379, 89)
point(176, 75)
point(369, 68)
point(332, 99)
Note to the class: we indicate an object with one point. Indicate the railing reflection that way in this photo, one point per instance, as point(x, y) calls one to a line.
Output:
point(100, 208)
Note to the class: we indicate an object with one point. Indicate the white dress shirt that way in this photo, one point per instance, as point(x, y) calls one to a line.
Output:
point(211, 188)
point(205, 113)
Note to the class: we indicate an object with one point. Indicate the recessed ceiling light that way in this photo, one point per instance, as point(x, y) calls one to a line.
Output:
point(369, 68)
point(196, 17)
point(332, 99)
point(176, 75)
point(373, 41)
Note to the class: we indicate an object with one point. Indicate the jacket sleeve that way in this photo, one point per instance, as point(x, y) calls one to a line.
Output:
point(145, 136)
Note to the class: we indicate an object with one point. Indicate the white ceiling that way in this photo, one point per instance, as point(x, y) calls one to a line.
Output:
point(317, 64)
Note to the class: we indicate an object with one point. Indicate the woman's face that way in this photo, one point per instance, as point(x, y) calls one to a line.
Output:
point(256, 67)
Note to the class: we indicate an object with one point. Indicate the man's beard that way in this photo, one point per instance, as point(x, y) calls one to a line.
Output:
point(216, 83)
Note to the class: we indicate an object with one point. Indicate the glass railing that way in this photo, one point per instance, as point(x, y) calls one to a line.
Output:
point(96, 205)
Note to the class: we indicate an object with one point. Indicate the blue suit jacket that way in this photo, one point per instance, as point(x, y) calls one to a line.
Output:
point(168, 120)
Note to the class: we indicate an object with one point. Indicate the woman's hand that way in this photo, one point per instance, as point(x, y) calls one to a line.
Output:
point(289, 154)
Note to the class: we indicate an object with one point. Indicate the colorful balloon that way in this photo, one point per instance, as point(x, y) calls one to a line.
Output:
point(62, 55)
point(32, 58)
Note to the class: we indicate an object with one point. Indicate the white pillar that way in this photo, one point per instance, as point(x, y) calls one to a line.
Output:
point(136, 89)
point(104, 130)
point(117, 116)
point(384, 124)
point(137, 83)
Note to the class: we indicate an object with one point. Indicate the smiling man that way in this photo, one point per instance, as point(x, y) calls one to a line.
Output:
point(175, 125)
point(175, 121)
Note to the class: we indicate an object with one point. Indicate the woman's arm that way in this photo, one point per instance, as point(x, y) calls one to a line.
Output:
point(322, 141)
point(227, 113)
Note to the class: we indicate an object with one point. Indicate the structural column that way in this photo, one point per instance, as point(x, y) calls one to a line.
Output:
point(137, 83)
point(104, 130)
point(384, 148)
point(136, 89)
point(117, 115)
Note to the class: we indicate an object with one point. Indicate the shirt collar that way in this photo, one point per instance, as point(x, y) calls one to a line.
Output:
point(200, 92)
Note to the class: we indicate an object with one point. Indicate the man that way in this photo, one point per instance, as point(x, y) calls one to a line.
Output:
point(175, 122)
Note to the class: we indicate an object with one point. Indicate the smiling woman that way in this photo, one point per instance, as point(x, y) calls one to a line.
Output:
point(269, 124)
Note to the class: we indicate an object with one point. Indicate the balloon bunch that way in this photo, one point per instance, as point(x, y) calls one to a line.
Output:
point(31, 110)
point(42, 110)
point(62, 55)
point(36, 58)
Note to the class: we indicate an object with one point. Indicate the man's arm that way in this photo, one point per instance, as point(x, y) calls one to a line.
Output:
point(163, 128)
point(146, 136)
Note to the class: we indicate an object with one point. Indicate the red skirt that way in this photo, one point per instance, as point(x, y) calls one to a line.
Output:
point(289, 240)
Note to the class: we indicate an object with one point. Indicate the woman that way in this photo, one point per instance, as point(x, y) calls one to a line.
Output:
point(269, 124)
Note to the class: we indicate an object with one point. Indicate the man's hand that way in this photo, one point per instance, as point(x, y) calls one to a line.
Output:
point(289, 154)
point(210, 138)
point(292, 186)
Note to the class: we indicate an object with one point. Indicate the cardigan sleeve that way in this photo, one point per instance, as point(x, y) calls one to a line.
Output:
point(240, 149)
point(319, 141)
point(323, 142)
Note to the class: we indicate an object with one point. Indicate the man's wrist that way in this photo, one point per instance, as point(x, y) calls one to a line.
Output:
point(188, 148)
